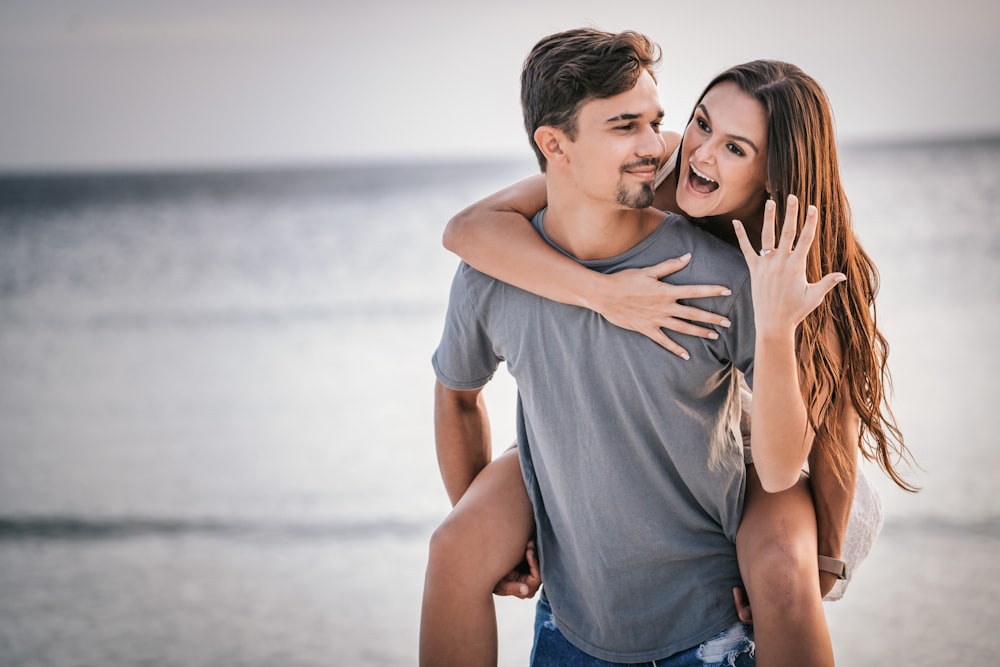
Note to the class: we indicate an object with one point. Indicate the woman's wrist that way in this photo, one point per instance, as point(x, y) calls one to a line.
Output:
point(592, 291)
point(776, 336)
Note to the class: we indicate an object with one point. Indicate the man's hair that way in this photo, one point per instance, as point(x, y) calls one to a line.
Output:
point(566, 70)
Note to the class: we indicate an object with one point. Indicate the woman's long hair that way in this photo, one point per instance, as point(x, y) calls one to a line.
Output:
point(802, 160)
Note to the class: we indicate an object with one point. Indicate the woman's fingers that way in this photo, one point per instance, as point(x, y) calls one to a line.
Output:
point(669, 266)
point(767, 229)
point(825, 284)
point(667, 343)
point(695, 314)
point(745, 245)
point(782, 294)
point(788, 228)
point(808, 231)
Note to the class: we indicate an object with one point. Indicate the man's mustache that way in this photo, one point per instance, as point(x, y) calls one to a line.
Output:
point(644, 162)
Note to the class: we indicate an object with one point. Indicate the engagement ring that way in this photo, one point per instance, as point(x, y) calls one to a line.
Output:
point(764, 252)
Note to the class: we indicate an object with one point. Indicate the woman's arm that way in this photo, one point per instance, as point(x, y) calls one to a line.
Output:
point(495, 236)
point(782, 297)
point(833, 492)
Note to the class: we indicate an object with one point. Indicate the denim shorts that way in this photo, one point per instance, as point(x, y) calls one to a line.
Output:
point(733, 647)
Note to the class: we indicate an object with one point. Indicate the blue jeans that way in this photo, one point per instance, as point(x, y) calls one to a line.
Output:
point(730, 648)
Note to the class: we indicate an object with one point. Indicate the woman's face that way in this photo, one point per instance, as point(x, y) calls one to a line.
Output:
point(723, 167)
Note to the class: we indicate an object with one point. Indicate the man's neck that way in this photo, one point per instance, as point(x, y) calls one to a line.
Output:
point(591, 230)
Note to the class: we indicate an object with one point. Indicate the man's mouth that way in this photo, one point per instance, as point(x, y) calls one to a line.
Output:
point(700, 182)
point(645, 168)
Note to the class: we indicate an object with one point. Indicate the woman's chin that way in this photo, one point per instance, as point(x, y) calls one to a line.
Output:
point(694, 207)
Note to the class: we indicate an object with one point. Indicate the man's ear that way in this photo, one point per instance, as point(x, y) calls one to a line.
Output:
point(550, 142)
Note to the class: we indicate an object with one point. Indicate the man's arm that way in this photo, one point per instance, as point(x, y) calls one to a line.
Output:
point(462, 434)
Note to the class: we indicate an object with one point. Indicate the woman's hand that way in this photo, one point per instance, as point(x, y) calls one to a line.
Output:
point(782, 296)
point(637, 300)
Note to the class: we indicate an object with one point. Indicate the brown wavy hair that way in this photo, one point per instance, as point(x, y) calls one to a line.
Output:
point(566, 70)
point(802, 160)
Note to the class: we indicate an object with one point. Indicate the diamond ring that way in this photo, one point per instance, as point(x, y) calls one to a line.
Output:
point(764, 252)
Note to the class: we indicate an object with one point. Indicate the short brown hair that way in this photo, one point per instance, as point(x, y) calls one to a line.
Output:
point(568, 69)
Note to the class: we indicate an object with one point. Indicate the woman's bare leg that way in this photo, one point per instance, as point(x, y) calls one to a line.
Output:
point(776, 546)
point(481, 540)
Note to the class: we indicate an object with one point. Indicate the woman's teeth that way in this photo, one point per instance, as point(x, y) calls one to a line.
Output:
point(702, 183)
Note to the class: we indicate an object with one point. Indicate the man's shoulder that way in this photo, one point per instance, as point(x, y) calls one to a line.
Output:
point(481, 290)
point(712, 250)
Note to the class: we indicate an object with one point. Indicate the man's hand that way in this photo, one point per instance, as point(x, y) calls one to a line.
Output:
point(742, 605)
point(524, 580)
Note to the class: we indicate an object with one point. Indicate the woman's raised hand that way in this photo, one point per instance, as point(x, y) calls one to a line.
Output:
point(636, 299)
point(782, 296)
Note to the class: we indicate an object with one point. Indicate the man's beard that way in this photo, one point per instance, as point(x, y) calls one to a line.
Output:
point(640, 197)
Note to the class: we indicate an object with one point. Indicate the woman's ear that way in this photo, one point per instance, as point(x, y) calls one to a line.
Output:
point(550, 142)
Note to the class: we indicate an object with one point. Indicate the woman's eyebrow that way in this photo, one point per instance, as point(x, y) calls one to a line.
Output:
point(737, 137)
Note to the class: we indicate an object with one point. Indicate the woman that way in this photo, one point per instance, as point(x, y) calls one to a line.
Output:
point(759, 140)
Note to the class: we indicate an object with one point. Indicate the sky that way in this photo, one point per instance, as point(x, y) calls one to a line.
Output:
point(118, 84)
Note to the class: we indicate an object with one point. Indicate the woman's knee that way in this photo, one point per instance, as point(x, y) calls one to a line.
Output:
point(453, 540)
point(462, 551)
point(783, 568)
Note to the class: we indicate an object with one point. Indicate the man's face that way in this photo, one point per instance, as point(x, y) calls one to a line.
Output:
point(618, 146)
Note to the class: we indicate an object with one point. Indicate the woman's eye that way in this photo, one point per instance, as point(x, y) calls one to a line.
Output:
point(736, 150)
point(702, 125)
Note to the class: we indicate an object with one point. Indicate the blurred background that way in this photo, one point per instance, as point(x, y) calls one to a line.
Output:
point(221, 281)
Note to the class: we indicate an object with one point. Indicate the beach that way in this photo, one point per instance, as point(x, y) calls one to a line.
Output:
point(216, 439)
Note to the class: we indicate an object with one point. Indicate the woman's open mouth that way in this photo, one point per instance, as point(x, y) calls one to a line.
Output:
point(699, 182)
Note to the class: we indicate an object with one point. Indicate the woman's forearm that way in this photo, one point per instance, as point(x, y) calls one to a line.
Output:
point(833, 488)
point(495, 236)
point(781, 436)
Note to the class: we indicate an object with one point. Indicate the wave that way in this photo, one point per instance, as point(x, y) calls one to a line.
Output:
point(70, 528)
point(214, 317)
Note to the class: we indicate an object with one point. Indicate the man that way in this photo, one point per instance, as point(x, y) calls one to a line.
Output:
point(631, 455)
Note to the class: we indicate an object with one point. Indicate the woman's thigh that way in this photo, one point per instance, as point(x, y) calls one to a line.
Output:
point(494, 517)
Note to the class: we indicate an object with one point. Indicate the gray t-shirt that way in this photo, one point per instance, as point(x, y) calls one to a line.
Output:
point(632, 456)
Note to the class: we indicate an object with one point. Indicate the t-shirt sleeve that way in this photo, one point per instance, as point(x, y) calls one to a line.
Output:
point(465, 357)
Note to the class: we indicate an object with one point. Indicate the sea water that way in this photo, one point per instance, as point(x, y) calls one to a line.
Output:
point(216, 440)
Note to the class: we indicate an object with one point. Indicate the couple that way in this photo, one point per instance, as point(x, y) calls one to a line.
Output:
point(629, 447)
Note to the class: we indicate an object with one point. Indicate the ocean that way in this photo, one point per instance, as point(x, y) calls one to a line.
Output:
point(216, 442)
